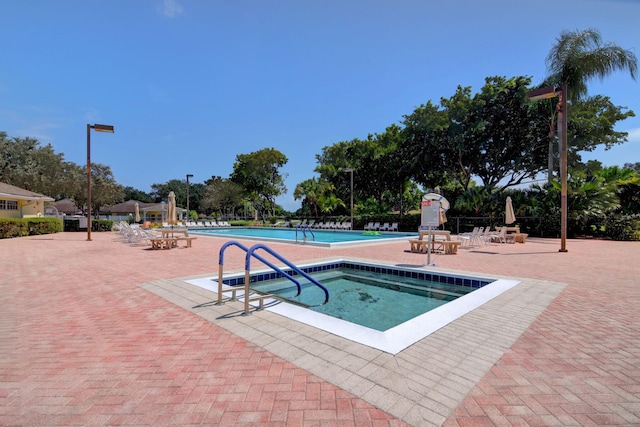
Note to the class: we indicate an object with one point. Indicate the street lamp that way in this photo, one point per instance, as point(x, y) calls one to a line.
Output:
point(546, 93)
point(97, 128)
point(351, 171)
point(188, 211)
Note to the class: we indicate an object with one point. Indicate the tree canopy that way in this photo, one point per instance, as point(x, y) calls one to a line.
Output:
point(259, 174)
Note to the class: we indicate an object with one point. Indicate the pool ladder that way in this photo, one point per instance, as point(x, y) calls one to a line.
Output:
point(250, 253)
point(304, 229)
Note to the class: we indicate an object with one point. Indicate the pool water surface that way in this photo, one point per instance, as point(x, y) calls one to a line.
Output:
point(474, 291)
point(374, 300)
point(310, 237)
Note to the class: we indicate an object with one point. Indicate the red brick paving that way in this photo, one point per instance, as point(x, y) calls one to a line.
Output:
point(82, 344)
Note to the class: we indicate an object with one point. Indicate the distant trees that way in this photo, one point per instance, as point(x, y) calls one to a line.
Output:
point(258, 173)
point(222, 195)
point(26, 164)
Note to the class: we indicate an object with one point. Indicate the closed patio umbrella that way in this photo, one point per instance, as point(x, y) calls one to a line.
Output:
point(172, 219)
point(137, 211)
point(509, 215)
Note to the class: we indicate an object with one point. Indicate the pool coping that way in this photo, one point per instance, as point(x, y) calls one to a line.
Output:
point(391, 341)
point(421, 384)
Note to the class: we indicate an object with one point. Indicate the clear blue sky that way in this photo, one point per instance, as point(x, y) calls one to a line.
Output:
point(190, 84)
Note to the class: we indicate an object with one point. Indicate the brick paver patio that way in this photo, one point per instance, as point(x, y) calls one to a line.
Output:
point(84, 342)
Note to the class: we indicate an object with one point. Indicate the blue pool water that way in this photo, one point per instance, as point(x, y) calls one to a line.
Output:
point(374, 297)
point(318, 237)
point(474, 291)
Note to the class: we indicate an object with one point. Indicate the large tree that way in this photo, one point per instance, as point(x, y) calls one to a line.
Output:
point(259, 174)
point(487, 135)
point(222, 195)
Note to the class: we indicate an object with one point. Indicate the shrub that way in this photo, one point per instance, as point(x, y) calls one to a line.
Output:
point(16, 227)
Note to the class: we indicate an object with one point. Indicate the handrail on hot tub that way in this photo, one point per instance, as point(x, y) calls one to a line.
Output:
point(250, 252)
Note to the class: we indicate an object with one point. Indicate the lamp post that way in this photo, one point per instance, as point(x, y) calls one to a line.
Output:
point(350, 170)
point(97, 128)
point(188, 211)
point(561, 93)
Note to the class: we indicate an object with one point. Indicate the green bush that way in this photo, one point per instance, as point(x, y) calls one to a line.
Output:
point(101, 225)
point(619, 227)
point(16, 227)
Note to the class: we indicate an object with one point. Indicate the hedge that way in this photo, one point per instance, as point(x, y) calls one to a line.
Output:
point(16, 227)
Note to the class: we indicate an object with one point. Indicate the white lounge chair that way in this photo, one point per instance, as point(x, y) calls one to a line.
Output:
point(501, 237)
point(369, 226)
point(394, 227)
point(469, 239)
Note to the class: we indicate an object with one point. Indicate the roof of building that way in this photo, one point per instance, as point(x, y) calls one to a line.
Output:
point(13, 192)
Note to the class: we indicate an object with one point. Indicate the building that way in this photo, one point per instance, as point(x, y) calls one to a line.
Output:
point(16, 202)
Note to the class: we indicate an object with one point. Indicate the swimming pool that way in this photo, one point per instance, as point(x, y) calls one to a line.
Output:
point(391, 339)
point(314, 237)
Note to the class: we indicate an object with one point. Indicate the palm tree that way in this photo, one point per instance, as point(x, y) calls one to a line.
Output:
point(577, 57)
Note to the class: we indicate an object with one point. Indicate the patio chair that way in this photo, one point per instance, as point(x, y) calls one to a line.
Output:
point(368, 227)
point(501, 237)
point(469, 239)
point(385, 227)
point(394, 227)
point(376, 226)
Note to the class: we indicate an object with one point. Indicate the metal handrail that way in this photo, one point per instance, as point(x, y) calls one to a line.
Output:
point(250, 252)
point(304, 229)
point(287, 262)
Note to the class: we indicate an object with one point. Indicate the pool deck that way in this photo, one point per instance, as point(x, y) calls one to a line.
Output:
point(105, 333)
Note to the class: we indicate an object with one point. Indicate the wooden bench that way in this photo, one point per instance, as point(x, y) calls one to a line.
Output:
point(446, 246)
point(187, 239)
point(163, 242)
point(519, 237)
point(451, 246)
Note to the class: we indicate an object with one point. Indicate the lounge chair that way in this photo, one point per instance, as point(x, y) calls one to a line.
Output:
point(501, 237)
point(469, 239)
point(376, 226)
point(385, 227)
point(319, 225)
point(394, 227)
point(368, 227)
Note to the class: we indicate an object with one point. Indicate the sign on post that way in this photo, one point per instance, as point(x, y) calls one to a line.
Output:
point(430, 213)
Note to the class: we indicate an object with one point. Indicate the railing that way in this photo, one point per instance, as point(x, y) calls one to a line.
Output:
point(304, 229)
point(250, 253)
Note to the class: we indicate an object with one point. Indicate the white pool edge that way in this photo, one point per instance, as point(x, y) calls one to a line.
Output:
point(393, 340)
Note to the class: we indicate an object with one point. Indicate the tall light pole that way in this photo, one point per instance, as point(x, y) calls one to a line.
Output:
point(545, 93)
point(351, 171)
point(97, 128)
point(188, 211)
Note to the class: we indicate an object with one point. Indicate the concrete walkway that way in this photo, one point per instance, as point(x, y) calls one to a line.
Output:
point(105, 333)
